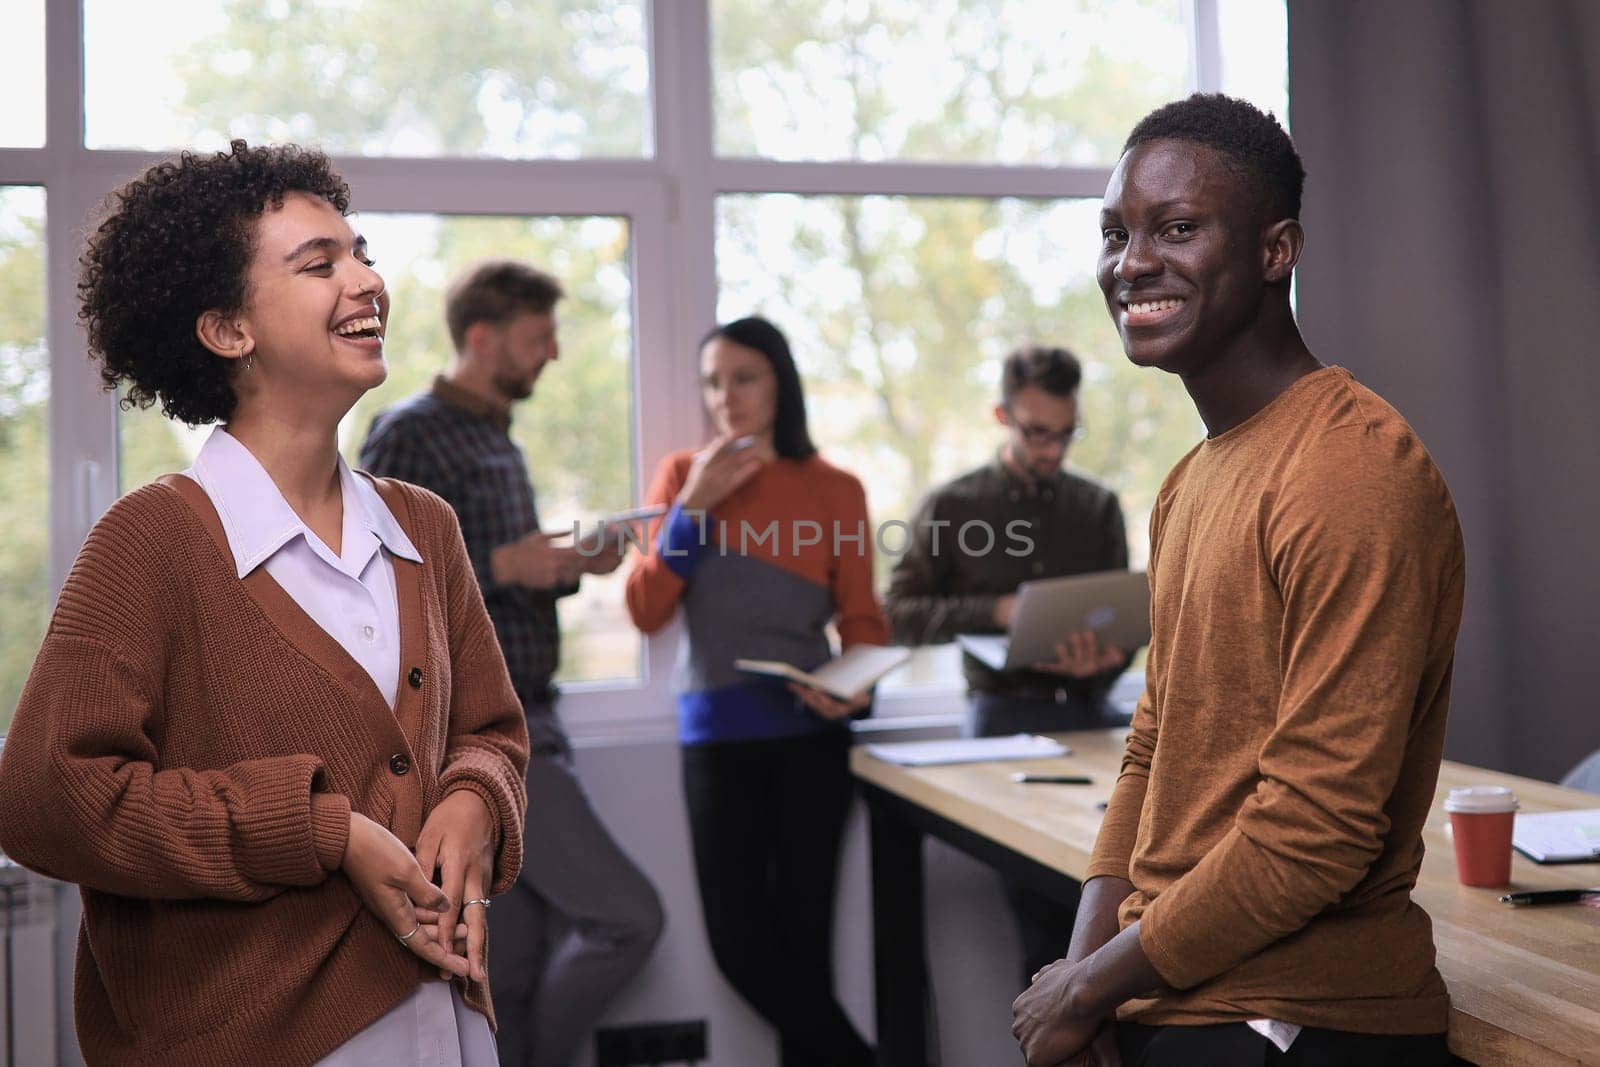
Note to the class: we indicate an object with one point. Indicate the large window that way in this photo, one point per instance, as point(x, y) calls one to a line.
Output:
point(908, 187)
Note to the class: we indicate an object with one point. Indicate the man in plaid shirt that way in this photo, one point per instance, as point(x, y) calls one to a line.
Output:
point(455, 440)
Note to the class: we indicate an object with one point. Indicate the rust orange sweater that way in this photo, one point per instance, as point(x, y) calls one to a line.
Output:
point(1306, 573)
point(188, 748)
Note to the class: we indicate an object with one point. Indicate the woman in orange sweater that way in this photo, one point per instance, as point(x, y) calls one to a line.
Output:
point(764, 544)
point(269, 705)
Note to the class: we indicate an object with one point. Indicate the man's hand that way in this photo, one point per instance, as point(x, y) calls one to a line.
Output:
point(609, 557)
point(1005, 607)
point(1096, 926)
point(538, 562)
point(458, 842)
point(393, 887)
point(1072, 1001)
point(1082, 655)
point(1045, 1020)
point(718, 470)
point(827, 706)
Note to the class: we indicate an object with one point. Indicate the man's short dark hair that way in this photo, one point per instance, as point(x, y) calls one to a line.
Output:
point(497, 291)
point(1238, 130)
point(1055, 370)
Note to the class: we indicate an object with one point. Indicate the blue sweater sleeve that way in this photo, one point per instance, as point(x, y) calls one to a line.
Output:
point(682, 540)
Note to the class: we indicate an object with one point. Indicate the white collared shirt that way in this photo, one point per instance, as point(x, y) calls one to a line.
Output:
point(351, 594)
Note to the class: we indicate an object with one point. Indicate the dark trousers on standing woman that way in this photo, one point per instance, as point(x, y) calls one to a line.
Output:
point(767, 818)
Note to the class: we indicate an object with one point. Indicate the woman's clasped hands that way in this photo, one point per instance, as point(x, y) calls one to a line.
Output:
point(457, 840)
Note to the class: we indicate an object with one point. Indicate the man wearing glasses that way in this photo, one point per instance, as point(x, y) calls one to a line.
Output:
point(1042, 522)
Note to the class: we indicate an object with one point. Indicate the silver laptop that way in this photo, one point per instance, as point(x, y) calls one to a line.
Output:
point(1114, 604)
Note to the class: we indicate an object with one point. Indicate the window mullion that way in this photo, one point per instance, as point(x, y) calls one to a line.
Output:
point(850, 178)
point(676, 290)
point(1205, 45)
point(83, 424)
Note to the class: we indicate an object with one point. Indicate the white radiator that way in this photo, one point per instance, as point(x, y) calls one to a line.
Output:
point(27, 969)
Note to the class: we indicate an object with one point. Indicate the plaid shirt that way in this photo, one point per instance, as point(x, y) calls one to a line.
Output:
point(459, 446)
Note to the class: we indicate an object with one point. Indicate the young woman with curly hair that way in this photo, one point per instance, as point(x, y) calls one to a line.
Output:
point(270, 705)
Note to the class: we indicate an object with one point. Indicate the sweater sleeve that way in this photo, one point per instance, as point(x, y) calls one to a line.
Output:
point(84, 794)
point(1361, 584)
point(860, 620)
point(486, 750)
point(920, 609)
point(656, 583)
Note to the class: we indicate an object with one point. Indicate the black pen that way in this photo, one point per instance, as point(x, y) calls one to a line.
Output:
point(1550, 896)
point(1051, 779)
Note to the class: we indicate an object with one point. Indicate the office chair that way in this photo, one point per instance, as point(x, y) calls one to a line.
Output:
point(1586, 775)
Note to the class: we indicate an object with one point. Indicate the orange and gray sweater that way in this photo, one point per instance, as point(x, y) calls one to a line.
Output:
point(759, 577)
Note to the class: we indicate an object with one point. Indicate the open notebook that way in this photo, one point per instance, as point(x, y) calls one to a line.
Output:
point(1558, 836)
point(843, 677)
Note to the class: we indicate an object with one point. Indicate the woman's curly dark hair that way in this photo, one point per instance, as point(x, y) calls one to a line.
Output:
point(176, 242)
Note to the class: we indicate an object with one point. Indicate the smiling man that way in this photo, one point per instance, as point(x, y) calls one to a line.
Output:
point(581, 918)
point(1249, 899)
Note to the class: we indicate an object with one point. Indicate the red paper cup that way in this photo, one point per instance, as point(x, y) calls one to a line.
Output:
point(1480, 824)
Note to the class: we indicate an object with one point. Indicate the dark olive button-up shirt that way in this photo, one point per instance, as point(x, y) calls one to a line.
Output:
point(982, 535)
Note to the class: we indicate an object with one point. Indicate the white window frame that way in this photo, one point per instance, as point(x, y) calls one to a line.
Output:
point(668, 198)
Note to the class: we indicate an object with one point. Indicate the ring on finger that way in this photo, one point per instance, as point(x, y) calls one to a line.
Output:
point(481, 900)
point(405, 939)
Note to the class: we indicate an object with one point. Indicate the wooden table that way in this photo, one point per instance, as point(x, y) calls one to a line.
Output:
point(1524, 982)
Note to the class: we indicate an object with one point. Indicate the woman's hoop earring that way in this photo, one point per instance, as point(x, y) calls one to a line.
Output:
point(249, 358)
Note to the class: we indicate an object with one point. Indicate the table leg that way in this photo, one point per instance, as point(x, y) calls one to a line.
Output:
point(899, 949)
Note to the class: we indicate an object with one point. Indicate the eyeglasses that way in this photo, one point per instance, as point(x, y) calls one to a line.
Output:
point(1043, 435)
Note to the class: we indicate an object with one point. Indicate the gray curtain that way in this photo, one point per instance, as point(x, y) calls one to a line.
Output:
point(1453, 264)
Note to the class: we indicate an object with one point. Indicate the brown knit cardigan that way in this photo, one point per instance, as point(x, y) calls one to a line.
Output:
point(188, 748)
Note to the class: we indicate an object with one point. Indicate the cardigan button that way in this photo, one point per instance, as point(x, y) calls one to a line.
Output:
point(400, 763)
point(415, 677)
